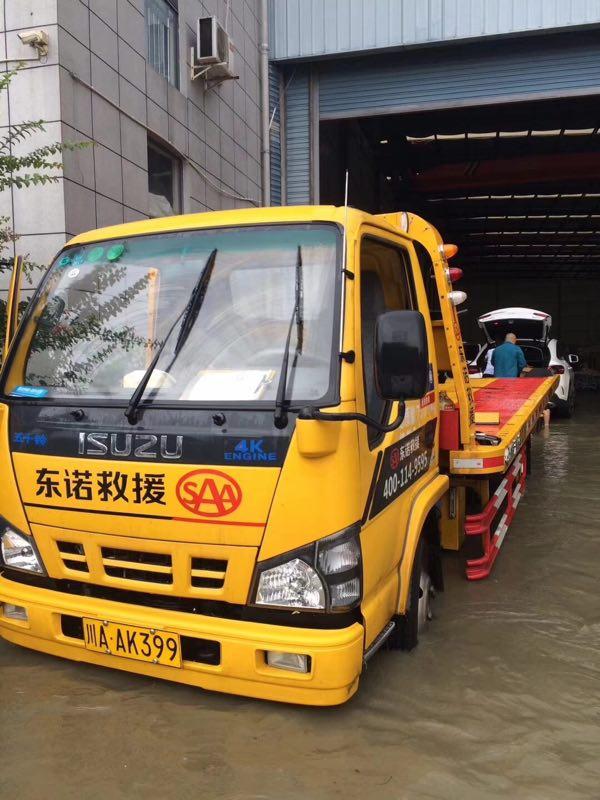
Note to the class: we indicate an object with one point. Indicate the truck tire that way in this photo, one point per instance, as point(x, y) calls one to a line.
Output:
point(405, 635)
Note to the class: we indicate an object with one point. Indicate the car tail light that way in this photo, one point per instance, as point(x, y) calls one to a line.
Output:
point(557, 369)
point(473, 370)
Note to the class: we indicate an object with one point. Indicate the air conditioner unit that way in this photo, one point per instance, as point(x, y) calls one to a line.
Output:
point(214, 49)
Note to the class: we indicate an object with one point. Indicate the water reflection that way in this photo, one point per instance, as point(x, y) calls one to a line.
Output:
point(500, 700)
point(555, 453)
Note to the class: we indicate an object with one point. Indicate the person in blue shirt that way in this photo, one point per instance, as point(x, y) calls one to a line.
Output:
point(508, 359)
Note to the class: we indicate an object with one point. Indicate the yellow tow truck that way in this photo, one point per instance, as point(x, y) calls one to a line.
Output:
point(234, 444)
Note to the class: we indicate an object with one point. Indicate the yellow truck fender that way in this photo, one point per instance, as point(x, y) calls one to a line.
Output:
point(422, 506)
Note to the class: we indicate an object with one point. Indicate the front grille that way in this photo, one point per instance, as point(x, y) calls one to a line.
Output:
point(70, 547)
point(208, 573)
point(156, 559)
point(137, 565)
point(137, 575)
point(79, 566)
point(73, 556)
point(182, 569)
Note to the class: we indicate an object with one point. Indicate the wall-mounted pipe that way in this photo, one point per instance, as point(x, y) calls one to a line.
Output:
point(265, 133)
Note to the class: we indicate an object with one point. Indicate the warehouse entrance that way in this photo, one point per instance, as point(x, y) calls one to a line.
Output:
point(516, 186)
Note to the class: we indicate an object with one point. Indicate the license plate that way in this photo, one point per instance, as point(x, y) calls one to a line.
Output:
point(128, 641)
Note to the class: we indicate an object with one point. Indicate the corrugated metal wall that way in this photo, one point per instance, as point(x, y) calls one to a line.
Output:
point(297, 126)
point(305, 28)
point(476, 74)
point(473, 75)
point(275, 139)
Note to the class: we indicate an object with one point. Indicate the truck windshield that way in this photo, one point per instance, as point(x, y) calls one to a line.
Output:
point(105, 309)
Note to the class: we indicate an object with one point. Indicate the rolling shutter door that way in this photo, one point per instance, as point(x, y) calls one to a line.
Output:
point(499, 71)
point(297, 125)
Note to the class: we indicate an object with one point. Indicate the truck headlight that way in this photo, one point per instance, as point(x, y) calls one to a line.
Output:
point(323, 576)
point(294, 584)
point(18, 552)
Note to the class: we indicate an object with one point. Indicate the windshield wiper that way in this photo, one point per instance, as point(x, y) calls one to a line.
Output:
point(189, 316)
point(281, 417)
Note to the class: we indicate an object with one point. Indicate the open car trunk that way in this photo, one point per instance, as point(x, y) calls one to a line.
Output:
point(527, 324)
point(536, 353)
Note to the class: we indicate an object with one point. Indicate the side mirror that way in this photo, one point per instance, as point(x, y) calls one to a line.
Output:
point(572, 358)
point(401, 355)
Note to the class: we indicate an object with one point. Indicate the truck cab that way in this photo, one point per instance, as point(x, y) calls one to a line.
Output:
point(221, 439)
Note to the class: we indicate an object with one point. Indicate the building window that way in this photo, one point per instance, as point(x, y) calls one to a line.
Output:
point(164, 182)
point(162, 34)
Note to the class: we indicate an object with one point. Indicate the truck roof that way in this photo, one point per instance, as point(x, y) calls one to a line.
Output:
point(244, 216)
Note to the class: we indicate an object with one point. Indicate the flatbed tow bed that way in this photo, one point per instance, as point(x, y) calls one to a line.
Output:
point(495, 472)
point(518, 403)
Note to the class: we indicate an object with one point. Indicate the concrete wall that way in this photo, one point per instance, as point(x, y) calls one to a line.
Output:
point(96, 86)
point(37, 214)
point(218, 130)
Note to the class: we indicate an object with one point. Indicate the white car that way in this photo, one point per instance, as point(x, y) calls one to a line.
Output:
point(475, 355)
point(532, 329)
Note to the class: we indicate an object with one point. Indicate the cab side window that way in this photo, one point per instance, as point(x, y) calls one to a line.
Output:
point(385, 285)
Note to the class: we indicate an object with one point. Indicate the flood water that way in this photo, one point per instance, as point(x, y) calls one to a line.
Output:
point(501, 699)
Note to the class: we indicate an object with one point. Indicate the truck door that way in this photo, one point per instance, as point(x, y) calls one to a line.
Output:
point(394, 464)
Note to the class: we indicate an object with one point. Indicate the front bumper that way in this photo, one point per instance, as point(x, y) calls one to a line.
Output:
point(336, 655)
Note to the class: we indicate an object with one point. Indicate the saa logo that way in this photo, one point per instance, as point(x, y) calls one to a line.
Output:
point(395, 458)
point(209, 493)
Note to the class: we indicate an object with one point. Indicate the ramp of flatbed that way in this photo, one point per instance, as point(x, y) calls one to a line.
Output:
point(519, 403)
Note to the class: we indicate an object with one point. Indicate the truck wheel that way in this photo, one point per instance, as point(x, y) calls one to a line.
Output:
point(410, 625)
